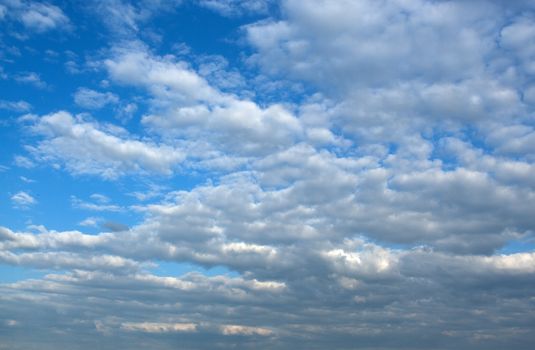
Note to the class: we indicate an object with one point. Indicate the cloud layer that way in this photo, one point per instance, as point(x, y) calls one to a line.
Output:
point(364, 181)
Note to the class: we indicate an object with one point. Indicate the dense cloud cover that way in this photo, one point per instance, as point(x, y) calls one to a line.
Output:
point(304, 175)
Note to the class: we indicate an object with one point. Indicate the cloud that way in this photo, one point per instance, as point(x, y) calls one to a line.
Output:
point(35, 16)
point(27, 180)
point(41, 17)
point(31, 78)
point(24, 162)
point(114, 226)
point(90, 148)
point(23, 200)
point(186, 105)
point(372, 283)
point(232, 8)
point(3, 11)
point(152, 327)
point(99, 204)
point(89, 222)
point(124, 19)
point(16, 106)
point(99, 198)
point(244, 330)
point(342, 44)
point(92, 99)
point(387, 204)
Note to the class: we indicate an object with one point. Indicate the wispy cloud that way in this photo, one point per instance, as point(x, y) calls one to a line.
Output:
point(22, 200)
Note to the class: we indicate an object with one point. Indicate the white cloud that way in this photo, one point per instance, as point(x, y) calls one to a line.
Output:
point(386, 200)
point(159, 327)
point(38, 17)
point(3, 11)
point(23, 200)
point(31, 78)
point(27, 180)
point(342, 44)
point(99, 198)
point(16, 106)
point(245, 330)
point(90, 222)
point(24, 162)
point(233, 8)
point(125, 19)
point(90, 148)
point(92, 99)
point(42, 17)
point(102, 204)
point(186, 105)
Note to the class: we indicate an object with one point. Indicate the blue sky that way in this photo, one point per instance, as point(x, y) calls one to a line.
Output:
point(267, 174)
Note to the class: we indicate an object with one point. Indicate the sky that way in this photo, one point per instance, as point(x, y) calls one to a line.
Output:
point(262, 174)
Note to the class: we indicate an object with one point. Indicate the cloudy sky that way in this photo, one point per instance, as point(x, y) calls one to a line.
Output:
point(262, 174)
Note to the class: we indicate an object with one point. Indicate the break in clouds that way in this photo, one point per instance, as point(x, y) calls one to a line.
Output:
point(291, 175)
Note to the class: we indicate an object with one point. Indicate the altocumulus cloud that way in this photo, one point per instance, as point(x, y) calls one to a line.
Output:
point(362, 181)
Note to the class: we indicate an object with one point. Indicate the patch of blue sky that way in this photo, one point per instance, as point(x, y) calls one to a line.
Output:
point(518, 246)
point(11, 274)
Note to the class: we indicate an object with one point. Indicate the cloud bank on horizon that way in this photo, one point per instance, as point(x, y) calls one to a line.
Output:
point(267, 174)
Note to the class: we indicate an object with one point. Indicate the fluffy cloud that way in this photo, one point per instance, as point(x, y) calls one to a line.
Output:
point(89, 148)
point(186, 105)
point(389, 206)
point(360, 284)
point(342, 44)
point(43, 17)
point(35, 16)
point(31, 78)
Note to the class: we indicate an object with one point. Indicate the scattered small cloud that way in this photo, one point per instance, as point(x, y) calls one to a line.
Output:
point(23, 162)
point(100, 198)
point(27, 180)
point(90, 222)
point(23, 200)
point(99, 206)
point(42, 17)
point(245, 330)
point(30, 78)
point(233, 8)
point(15, 106)
point(92, 99)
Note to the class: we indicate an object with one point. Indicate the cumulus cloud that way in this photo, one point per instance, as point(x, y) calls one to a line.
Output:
point(382, 208)
point(31, 78)
point(186, 105)
point(37, 17)
point(342, 44)
point(42, 17)
point(85, 147)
